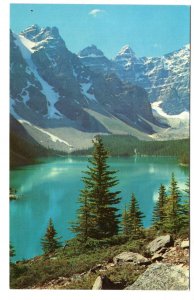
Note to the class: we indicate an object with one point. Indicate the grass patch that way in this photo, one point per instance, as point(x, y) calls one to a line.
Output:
point(75, 259)
point(66, 263)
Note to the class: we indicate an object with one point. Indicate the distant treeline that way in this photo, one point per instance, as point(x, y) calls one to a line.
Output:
point(126, 145)
point(26, 151)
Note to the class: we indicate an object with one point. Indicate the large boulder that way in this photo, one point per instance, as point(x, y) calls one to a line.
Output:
point(161, 276)
point(132, 257)
point(159, 243)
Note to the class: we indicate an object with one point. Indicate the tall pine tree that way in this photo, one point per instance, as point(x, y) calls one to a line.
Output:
point(173, 208)
point(50, 241)
point(158, 217)
point(100, 208)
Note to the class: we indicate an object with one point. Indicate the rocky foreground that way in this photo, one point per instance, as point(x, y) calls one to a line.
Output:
point(164, 266)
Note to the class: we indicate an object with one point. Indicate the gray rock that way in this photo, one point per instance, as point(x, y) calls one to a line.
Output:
point(102, 282)
point(160, 242)
point(157, 257)
point(132, 257)
point(97, 284)
point(185, 244)
point(162, 250)
point(161, 276)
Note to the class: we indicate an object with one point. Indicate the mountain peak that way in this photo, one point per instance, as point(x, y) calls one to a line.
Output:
point(37, 34)
point(90, 51)
point(187, 47)
point(31, 31)
point(126, 51)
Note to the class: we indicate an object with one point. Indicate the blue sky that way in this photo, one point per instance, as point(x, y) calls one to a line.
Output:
point(151, 30)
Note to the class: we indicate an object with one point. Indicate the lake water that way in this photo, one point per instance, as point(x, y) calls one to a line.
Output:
point(51, 189)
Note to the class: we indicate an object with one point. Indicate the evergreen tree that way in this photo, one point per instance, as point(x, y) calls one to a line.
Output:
point(185, 208)
point(50, 241)
point(100, 209)
point(173, 208)
point(158, 217)
point(11, 251)
point(135, 217)
point(83, 224)
point(125, 221)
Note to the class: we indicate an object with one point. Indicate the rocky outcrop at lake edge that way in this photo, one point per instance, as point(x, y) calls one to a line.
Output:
point(166, 267)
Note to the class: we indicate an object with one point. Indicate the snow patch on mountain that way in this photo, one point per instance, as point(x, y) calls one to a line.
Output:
point(85, 88)
point(178, 124)
point(27, 44)
point(53, 137)
point(156, 108)
point(25, 93)
point(51, 96)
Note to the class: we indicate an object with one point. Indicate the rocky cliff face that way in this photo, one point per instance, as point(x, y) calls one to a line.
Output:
point(95, 59)
point(166, 78)
point(51, 90)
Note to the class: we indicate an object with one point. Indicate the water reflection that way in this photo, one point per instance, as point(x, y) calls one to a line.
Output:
point(151, 169)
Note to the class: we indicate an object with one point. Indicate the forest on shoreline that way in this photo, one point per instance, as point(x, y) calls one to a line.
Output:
point(24, 151)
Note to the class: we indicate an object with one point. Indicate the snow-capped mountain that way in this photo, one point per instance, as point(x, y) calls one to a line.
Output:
point(166, 79)
point(62, 103)
point(96, 60)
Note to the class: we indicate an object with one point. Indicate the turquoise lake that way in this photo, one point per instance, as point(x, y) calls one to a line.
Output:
point(51, 189)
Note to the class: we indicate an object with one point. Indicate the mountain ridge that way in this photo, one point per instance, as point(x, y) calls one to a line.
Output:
point(165, 78)
point(51, 89)
point(63, 103)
